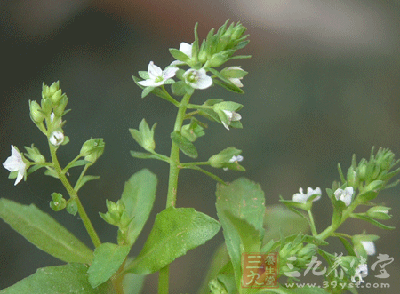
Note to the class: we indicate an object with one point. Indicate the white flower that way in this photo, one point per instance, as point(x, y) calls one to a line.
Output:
point(56, 138)
point(344, 195)
point(361, 271)
point(302, 198)
point(369, 247)
point(15, 163)
point(184, 48)
point(232, 116)
point(157, 76)
point(235, 158)
point(197, 78)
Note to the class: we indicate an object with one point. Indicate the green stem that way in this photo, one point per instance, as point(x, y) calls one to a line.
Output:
point(175, 163)
point(312, 223)
point(163, 278)
point(73, 194)
point(332, 228)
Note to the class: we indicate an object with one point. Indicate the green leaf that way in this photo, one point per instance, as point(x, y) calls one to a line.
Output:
point(70, 278)
point(175, 231)
point(138, 197)
point(76, 163)
point(244, 199)
point(281, 221)
point(240, 208)
point(108, 258)
point(143, 155)
point(374, 222)
point(44, 232)
point(184, 144)
point(348, 245)
point(84, 180)
point(179, 55)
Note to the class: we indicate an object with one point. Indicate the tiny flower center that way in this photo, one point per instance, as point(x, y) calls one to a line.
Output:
point(192, 77)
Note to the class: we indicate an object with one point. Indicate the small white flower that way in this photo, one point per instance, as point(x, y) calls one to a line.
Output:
point(184, 48)
point(198, 79)
point(369, 247)
point(361, 271)
point(232, 116)
point(56, 138)
point(344, 195)
point(302, 198)
point(157, 76)
point(15, 163)
point(235, 158)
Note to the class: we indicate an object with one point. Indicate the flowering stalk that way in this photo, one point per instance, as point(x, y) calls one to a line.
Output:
point(74, 195)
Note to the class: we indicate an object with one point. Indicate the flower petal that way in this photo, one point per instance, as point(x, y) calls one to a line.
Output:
point(186, 48)
point(169, 72)
point(154, 71)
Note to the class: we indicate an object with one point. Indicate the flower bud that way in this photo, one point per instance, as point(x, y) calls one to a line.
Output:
point(63, 102)
point(58, 203)
point(379, 212)
point(56, 138)
point(92, 149)
point(72, 207)
point(55, 98)
point(34, 154)
point(48, 92)
point(36, 112)
point(217, 59)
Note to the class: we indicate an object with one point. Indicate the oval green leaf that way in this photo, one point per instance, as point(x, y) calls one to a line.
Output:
point(175, 231)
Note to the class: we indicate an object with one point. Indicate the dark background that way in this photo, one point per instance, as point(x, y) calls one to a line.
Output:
point(323, 84)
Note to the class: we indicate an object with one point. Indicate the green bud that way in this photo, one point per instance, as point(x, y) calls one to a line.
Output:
point(192, 131)
point(144, 136)
point(36, 112)
point(58, 203)
point(307, 251)
point(228, 159)
point(60, 108)
point(55, 98)
point(72, 207)
point(352, 177)
point(114, 214)
point(379, 212)
point(375, 185)
point(34, 154)
point(47, 106)
point(217, 59)
point(92, 149)
point(48, 92)
point(361, 170)
point(233, 72)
